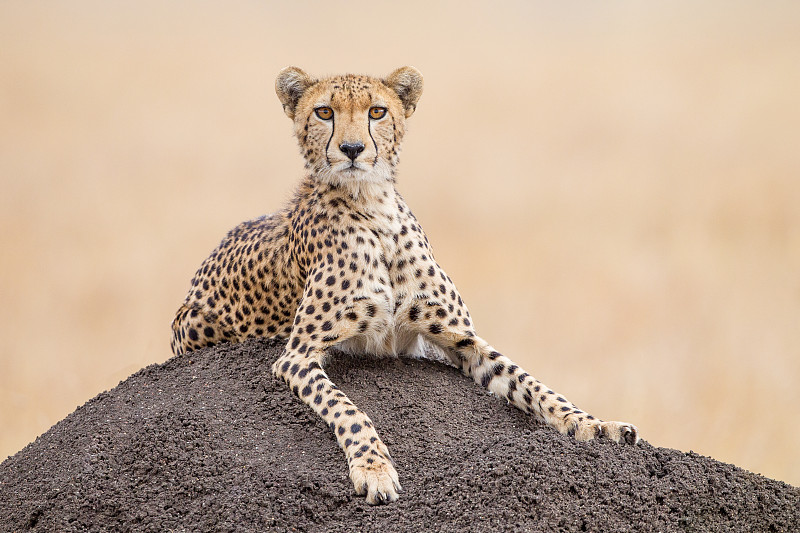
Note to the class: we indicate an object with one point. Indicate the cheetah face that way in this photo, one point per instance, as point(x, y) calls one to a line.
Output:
point(350, 127)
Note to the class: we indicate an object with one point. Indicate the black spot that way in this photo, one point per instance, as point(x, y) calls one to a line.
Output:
point(435, 328)
point(441, 313)
point(345, 285)
point(330, 281)
point(309, 309)
point(463, 343)
point(318, 399)
point(332, 402)
point(193, 334)
point(310, 328)
point(498, 369)
point(413, 313)
point(208, 331)
point(355, 428)
point(295, 342)
point(487, 377)
point(306, 390)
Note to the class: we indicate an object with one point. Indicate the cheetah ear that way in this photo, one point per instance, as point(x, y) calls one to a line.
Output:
point(407, 83)
point(290, 85)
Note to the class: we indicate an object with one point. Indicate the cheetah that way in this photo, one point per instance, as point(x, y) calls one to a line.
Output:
point(345, 263)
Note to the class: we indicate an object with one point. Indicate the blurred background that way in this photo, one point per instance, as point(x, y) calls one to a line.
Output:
point(614, 187)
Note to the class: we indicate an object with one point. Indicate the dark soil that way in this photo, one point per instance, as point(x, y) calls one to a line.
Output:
point(210, 441)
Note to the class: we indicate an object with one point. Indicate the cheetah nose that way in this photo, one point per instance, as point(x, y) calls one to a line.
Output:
point(351, 150)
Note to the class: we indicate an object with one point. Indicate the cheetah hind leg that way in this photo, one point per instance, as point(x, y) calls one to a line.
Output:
point(193, 328)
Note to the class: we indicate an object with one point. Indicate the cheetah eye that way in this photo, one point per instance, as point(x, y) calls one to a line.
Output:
point(325, 113)
point(376, 113)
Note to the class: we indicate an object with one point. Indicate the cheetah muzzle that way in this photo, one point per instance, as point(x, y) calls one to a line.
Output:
point(346, 264)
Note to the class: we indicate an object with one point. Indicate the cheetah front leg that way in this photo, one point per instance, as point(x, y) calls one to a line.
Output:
point(503, 377)
point(446, 323)
point(371, 467)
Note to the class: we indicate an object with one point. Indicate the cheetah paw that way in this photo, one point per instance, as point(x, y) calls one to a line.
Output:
point(621, 432)
point(378, 480)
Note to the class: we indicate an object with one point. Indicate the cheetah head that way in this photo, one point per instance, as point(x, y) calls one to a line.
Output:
point(350, 127)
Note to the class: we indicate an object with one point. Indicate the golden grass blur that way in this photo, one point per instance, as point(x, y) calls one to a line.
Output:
point(615, 191)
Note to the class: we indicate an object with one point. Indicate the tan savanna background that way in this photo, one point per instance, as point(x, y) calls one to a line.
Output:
point(614, 187)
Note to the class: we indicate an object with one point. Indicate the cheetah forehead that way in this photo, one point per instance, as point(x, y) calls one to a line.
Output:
point(350, 91)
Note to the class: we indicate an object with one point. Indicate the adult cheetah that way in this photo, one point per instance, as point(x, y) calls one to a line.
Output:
point(346, 264)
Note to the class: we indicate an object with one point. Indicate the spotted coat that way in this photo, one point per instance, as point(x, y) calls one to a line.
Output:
point(347, 264)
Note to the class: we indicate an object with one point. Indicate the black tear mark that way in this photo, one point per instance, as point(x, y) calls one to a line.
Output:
point(333, 129)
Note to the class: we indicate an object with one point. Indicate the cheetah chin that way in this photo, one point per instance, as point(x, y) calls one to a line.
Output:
point(346, 264)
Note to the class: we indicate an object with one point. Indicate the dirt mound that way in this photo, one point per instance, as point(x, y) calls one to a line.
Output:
point(211, 442)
